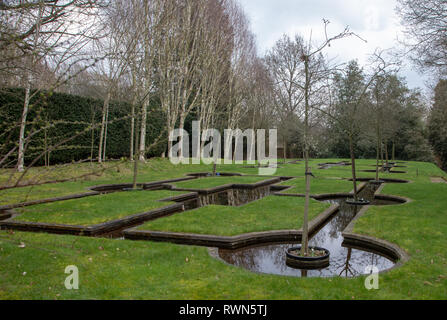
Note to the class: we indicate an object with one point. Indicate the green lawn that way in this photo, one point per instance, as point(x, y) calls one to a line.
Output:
point(211, 182)
point(32, 265)
point(270, 213)
point(96, 209)
point(318, 186)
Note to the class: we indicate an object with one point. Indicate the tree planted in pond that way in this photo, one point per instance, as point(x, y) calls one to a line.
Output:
point(314, 85)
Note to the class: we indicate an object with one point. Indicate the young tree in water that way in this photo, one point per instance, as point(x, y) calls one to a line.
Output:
point(315, 71)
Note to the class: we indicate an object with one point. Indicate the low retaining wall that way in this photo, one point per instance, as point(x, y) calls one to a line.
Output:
point(226, 187)
point(368, 243)
point(94, 230)
point(35, 202)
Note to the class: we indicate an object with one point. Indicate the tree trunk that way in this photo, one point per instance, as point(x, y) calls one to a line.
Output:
point(386, 153)
point(106, 130)
point(305, 239)
point(21, 155)
point(47, 164)
point(354, 177)
point(136, 158)
point(394, 151)
point(103, 125)
point(132, 132)
point(378, 150)
point(181, 127)
point(93, 138)
point(31, 61)
point(143, 125)
point(285, 151)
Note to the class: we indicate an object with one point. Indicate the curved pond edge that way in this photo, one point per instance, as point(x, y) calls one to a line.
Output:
point(364, 242)
point(351, 239)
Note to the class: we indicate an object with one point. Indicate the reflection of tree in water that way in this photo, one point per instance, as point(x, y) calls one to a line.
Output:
point(347, 268)
point(348, 261)
point(260, 259)
point(234, 197)
point(334, 228)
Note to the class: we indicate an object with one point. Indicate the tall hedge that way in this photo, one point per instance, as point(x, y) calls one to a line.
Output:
point(70, 115)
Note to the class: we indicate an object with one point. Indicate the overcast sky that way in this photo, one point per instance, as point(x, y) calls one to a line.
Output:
point(374, 20)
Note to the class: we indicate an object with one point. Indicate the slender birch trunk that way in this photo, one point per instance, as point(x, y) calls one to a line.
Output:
point(21, 151)
point(103, 125)
point(132, 132)
point(136, 157)
point(105, 133)
point(93, 138)
point(21, 155)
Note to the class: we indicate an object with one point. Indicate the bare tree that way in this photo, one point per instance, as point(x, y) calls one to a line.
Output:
point(425, 24)
point(43, 32)
point(287, 71)
point(240, 74)
point(113, 68)
point(315, 71)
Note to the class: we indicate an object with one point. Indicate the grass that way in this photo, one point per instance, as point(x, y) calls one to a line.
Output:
point(270, 213)
point(211, 182)
point(25, 194)
point(96, 209)
point(111, 269)
point(318, 186)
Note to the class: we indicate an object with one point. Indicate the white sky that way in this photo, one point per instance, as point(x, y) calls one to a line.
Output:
point(374, 20)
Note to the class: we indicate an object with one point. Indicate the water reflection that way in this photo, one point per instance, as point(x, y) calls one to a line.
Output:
point(271, 259)
point(234, 197)
point(324, 166)
point(344, 261)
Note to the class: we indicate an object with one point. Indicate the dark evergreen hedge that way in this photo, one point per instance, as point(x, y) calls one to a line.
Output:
point(71, 114)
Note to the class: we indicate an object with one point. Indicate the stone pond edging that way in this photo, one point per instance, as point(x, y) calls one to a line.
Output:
point(364, 242)
point(94, 230)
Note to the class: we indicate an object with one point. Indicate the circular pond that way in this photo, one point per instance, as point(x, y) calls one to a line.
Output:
point(271, 259)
